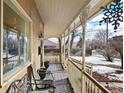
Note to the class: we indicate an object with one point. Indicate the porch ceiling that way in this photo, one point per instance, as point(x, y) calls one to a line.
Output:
point(57, 15)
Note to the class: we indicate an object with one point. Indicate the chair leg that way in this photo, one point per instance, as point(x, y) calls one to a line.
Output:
point(54, 89)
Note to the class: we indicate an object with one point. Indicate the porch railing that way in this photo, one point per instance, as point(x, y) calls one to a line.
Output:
point(52, 59)
point(82, 80)
point(88, 68)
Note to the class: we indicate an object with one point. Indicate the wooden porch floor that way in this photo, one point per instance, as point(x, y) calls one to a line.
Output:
point(61, 81)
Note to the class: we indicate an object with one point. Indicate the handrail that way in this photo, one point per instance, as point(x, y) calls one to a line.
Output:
point(77, 61)
point(75, 65)
point(91, 79)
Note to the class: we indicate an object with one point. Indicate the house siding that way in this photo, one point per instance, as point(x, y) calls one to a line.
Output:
point(30, 7)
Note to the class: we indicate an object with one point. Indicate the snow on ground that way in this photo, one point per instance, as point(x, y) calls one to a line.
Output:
point(108, 70)
point(103, 69)
point(98, 59)
point(116, 76)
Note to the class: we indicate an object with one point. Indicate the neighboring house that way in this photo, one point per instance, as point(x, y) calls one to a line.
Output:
point(118, 37)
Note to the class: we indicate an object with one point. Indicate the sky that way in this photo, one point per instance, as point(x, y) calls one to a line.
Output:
point(93, 27)
point(55, 40)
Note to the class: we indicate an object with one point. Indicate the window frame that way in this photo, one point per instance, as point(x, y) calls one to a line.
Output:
point(20, 11)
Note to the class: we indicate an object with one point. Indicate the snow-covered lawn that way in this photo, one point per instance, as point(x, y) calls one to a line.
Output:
point(103, 69)
point(100, 65)
point(112, 75)
point(98, 59)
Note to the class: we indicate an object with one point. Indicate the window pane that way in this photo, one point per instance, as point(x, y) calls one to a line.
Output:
point(11, 58)
point(15, 42)
point(4, 46)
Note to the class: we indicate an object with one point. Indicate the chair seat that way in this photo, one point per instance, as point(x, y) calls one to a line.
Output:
point(44, 91)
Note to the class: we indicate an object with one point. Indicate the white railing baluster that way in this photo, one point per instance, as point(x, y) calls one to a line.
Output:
point(87, 85)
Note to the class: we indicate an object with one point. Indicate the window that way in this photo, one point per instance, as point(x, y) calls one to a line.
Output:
point(14, 49)
point(16, 39)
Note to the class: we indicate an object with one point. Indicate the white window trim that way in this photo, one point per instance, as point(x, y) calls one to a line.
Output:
point(1, 43)
point(23, 14)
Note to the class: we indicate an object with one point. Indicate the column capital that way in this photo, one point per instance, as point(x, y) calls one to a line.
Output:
point(84, 17)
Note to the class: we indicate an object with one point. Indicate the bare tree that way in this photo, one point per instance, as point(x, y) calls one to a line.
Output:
point(117, 44)
point(79, 43)
point(72, 38)
point(74, 34)
point(108, 52)
point(100, 39)
point(103, 45)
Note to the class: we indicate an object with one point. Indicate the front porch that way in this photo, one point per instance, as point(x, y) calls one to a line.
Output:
point(71, 77)
point(24, 27)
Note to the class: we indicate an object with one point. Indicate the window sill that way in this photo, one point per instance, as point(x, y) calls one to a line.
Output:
point(11, 75)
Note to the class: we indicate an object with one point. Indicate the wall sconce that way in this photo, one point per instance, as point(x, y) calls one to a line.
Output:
point(40, 35)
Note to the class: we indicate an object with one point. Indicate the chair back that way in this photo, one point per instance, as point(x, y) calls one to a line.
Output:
point(20, 86)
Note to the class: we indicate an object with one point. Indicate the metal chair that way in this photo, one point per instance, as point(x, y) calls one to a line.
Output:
point(24, 85)
point(33, 85)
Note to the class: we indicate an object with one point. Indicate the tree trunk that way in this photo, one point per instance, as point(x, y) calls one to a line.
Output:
point(121, 61)
point(72, 39)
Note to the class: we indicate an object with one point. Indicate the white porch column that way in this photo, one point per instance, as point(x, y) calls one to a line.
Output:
point(61, 51)
point(42, 52)
point(83, 20)
point(68, 43)
point(83, 45)
point(64, 47)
